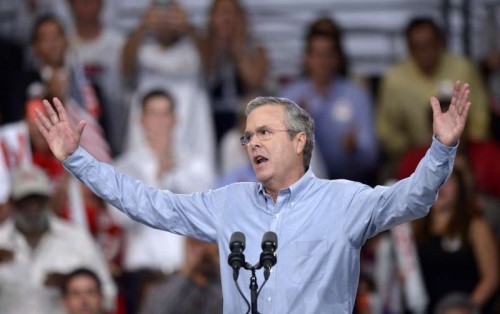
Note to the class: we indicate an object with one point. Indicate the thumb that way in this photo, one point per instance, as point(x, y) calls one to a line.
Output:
point(436, 107)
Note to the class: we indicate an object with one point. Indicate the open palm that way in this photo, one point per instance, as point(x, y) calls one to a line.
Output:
point(63, 140)
point(448, 126)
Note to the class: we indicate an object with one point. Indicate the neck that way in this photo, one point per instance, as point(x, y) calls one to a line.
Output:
point(274, 189)
point(88, 30)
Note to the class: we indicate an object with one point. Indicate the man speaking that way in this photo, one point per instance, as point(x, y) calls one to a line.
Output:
point(321, 224)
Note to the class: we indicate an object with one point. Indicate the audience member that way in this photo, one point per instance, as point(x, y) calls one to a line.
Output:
point(38, 249)
point(70, 199)
point(342, 110)
point(491, 71)
point(99, 48)
point(235, 65)
point(157, 162)
point(456, 248)
point(161, 53)
point(82, 292)
point(194, 289)
point(402, 114)
point(55, 74)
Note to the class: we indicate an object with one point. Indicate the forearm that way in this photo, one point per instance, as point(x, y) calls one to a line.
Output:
point(383, 207)
point(484, 290)
point(192, 215)
point(130, 49)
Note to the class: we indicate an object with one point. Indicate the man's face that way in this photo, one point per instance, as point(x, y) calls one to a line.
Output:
point(321, 58)
point(277, 160)
point(86, 10)
point(50, 45)
point(83, 296)
point(426, 47)
point(30, 213)
point(157, 118)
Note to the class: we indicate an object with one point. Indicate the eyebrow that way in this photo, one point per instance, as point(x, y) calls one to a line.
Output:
point(260, 128)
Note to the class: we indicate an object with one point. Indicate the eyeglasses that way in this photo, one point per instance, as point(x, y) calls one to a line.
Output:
point(262, 134)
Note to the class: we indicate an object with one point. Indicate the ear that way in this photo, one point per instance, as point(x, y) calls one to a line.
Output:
point(300, 142)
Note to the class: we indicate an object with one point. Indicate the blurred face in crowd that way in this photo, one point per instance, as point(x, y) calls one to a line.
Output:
point(226, 18)
point(83, 296)
point(50, 44)
point(168, 23)
point(426, 47)
point(448, 194)
point(278, 160)
point(157, 118)
point(86, 11)
point(31, 214)
point(204, 257)
point(321, 58)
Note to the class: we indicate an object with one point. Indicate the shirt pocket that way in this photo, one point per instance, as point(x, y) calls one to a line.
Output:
point(308, 261)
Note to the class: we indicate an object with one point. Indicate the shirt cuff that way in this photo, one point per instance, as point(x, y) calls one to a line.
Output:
point(76, 163)
point(441, 153)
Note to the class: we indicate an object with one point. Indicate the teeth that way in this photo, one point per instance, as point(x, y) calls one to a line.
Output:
point(260, 159)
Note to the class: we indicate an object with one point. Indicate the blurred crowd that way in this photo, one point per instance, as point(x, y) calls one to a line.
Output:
point(165, 104)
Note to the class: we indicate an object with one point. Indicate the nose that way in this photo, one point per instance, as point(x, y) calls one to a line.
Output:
point(254, 142)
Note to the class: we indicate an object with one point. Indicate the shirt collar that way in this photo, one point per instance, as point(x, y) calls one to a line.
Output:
point(296, 189)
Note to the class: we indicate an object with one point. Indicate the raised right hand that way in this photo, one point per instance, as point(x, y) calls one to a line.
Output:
point(63, 140)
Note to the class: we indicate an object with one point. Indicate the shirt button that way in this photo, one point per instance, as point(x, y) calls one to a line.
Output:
point(292, 204)
point(277, 216)
point(268, 299)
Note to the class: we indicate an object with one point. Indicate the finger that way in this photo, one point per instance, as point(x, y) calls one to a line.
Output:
point(60, 110)
point(464, 95)
point(43, 119)
point(466, 111)
point(455, 93)
point(50, 111)
point(436, 107)
point(41, 128)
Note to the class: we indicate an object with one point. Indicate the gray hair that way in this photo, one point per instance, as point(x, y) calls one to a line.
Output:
point(296, 120)
point(456, 301)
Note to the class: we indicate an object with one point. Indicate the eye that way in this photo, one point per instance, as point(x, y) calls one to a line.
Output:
point(264, 132)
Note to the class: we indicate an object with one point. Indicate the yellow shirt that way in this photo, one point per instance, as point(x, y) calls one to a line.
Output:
point(404, 113)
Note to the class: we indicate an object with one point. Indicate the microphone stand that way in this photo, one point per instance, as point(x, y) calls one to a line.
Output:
point(253, 291)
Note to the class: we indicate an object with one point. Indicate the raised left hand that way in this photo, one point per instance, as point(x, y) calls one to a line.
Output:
point(448, 126)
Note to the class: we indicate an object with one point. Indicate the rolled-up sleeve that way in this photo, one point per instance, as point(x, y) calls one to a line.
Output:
point(197, 214)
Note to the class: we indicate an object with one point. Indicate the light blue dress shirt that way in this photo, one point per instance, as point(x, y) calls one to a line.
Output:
point(321, 226)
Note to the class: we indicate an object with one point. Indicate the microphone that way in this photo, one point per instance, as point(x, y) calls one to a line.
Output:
point(236, 258)
point(268, 257)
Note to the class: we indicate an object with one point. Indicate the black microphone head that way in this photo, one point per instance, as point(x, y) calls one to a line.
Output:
point(270, 238)
point(237, 238)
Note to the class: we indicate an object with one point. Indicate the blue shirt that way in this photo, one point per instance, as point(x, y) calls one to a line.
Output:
point(321, 226)
point(343, 108)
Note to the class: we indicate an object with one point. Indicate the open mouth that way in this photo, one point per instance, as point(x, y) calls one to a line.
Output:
point(259, 160)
